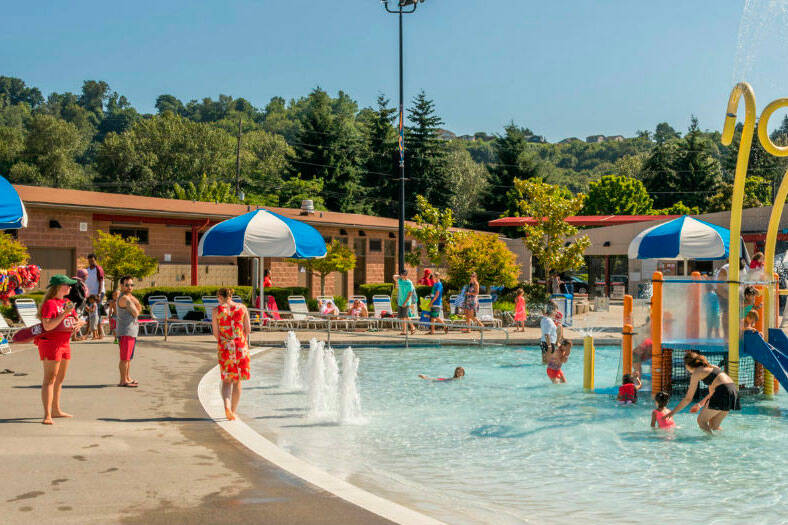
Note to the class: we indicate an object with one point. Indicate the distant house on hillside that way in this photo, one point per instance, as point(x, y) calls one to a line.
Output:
point(481, 135)
point(445, 134)
point(570, 139)
point(469, 138)
point(595, 138)
point(614, 138)
point(539, 139)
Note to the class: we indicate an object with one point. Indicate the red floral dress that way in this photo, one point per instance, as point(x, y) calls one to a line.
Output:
point(233, 350)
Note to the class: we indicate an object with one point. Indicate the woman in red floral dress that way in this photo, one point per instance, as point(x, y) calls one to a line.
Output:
point(231, 328)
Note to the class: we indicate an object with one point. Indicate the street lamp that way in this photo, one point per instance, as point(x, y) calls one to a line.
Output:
point(400, 10)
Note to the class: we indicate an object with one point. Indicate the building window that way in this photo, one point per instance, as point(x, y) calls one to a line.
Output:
point(189, 237)
point(375, 245)
point(141, 234)
point(408, 246)
point(13, 233)
point(54, 224)
point(327, 239)
point(342, 232)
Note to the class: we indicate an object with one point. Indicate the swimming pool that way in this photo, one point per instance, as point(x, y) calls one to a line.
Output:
point(504, 445)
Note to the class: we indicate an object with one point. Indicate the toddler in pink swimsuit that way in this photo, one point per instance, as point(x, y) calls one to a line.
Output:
point(658, 415)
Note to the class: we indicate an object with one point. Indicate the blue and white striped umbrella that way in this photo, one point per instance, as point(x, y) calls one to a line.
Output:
point(12, 211)
point(262, 233)
point(682, 238)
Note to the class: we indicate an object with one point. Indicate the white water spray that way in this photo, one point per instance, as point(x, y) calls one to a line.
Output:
point(291, 375)
point(349, 398)
point(316, 386)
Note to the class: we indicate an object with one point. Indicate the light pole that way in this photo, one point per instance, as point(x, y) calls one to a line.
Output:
point(399, 11)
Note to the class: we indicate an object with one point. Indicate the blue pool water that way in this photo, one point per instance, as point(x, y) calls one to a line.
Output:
point(504, 445)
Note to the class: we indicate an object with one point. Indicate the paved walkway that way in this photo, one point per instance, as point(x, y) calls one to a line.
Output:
point(139, 456)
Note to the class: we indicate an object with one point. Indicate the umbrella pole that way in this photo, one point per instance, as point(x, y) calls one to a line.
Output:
point(262, 289)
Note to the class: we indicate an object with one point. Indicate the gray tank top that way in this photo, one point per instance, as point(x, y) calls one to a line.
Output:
point(127, 323)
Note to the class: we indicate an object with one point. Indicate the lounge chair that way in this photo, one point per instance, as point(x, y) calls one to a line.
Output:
point(28, 311)
point(301, 316)
point(381, 304)
point(5, 328)
point(271, 318)
point(209, 302)
point(184, 305)
point(485, 313)
point(160, 312)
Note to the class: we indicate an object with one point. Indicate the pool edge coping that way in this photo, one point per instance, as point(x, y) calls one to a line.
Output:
point(211, 402)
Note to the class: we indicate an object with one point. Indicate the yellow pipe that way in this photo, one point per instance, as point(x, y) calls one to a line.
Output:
point(588, 363)
point(774, 225)
point(742, 159)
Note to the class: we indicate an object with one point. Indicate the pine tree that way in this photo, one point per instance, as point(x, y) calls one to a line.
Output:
point(425, 155)
point(382, 157)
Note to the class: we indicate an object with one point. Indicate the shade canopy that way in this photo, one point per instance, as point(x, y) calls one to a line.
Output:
point(682, 238)
point(262, 233)
point(12, 211)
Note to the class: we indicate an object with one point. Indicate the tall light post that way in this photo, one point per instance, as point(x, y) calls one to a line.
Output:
point(403, 7)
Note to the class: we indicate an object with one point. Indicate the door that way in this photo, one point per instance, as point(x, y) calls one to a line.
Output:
point(54, 261)
point(360, 271)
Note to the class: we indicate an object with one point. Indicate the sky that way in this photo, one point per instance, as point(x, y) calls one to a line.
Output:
point(564, 68)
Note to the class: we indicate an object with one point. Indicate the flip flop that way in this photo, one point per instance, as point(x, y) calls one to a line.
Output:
point(128, 385)
point(7, 371)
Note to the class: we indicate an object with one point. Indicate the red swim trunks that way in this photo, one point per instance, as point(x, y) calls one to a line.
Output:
point(555, 373)
point(127, 345)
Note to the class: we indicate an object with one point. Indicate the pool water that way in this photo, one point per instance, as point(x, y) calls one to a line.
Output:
point(504, 445)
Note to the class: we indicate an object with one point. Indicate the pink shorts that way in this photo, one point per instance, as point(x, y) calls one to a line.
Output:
point(127, 344)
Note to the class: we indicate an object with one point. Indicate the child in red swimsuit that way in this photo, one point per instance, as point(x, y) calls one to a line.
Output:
point(556, 358)
point(628, 391)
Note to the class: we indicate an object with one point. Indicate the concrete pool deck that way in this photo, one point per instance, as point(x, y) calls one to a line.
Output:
point(148, 455)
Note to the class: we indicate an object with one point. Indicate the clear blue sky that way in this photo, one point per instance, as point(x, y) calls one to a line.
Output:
point(566, 68)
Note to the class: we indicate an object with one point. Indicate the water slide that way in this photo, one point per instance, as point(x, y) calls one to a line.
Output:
point(772, 355)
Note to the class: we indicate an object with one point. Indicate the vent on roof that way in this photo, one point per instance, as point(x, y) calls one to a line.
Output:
point(307, 207)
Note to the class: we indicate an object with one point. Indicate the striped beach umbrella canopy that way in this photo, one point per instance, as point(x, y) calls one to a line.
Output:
point(262, 233)
point(12, 210)
point(682, 238)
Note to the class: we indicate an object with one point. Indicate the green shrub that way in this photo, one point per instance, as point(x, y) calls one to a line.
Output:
point(368, 290)
point(197, 292)
point(504, 306)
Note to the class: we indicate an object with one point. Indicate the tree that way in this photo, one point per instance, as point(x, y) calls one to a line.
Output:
point(157, 152)
point(432, 232)
point(49, 156)
point(615, 195)
point(339, 258)
point(425, 155)
point(659, 174)
point(14, 91)
point(757, 193)
point(678, 208)
point(699, 171)
point(169, 103)
point(483, 253)
point(204, 191)
point(12, 252)
point(119, 257)
point(549, 239)
point(469, 183)
point(382, 156)
point(509, 149)
point(665, 132)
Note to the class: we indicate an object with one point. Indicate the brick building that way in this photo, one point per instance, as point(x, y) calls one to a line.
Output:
point(62, 224)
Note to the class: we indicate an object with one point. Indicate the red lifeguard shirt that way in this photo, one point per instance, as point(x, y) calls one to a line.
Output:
point(61, 334)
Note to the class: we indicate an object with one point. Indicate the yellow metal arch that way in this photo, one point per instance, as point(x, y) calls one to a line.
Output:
point(774, 221)
point(742, 159)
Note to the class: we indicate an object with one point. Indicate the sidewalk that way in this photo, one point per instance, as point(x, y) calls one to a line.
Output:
point(139, 456)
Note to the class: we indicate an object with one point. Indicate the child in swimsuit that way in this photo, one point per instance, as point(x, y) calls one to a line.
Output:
point(628, 391)
point(458, 373)
point(520, 312)
point(658, 415)
point(557, 357)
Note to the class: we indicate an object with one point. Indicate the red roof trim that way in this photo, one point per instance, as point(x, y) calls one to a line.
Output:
point(585, 220)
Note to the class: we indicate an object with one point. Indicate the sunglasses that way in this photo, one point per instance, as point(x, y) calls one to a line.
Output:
point(129, 285)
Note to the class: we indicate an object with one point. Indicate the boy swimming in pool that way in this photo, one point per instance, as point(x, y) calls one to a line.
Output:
point(458, 373)
point(557, 357)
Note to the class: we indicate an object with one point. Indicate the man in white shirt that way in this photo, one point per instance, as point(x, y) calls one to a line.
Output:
point(549, 332)
point(95, 278)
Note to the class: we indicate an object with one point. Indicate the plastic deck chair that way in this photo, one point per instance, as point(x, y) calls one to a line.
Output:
point(184, 305)
point(28, 311)
point(381, 304)
point(485, 313)
point(160, 310)
point(5, 328)
point(300, 312)
point(209, 302)
point(273, 318)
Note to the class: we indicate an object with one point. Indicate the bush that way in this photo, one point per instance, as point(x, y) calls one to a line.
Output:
point(504, 306)
point(368, 290)
point(535, 296)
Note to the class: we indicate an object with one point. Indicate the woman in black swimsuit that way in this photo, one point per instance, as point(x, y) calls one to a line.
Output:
point(722, 396)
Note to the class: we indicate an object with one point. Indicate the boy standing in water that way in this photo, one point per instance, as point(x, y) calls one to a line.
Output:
point(549, 332)
point(556, 358)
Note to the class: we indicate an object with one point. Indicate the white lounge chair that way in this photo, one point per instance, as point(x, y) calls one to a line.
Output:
point(28, 311)
point(485, 313)
point(184, 305)
point(300, 312)
point(5, 328)
point(382, 303)
point(160, 312)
